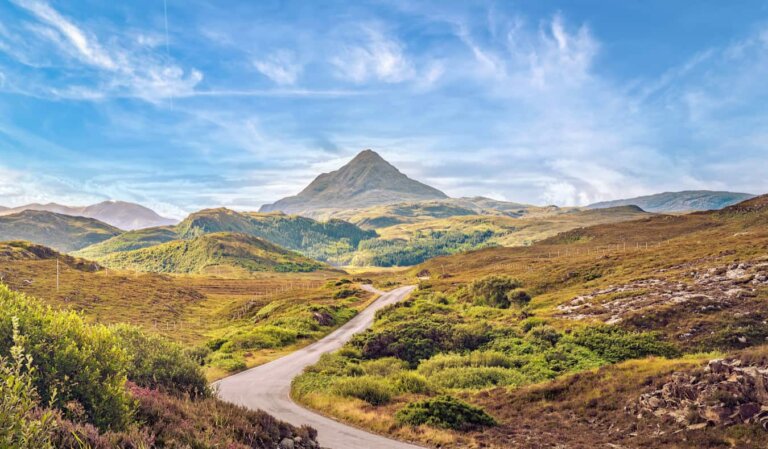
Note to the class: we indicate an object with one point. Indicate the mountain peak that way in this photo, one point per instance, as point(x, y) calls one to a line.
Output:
point(366, 180)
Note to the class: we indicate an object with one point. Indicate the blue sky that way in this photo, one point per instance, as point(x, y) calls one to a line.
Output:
point(239, 103)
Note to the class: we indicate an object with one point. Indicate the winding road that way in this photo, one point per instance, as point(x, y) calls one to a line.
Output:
point(267, 387)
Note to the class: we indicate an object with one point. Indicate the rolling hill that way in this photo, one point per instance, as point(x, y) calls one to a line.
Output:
point(64, 233)
point(367, 180)
point(212, 253)
point(120, 214)
point(685, 201)
point(129, 241)
point(383, 216)
point(653, 329)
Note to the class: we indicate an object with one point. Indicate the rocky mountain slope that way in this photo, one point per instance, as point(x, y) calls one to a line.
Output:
point(120, 214)
point(685, 201)
point(367, 180)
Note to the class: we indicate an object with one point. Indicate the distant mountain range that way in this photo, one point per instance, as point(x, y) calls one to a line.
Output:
point(121, 214)
point(64, 233)
point(367, 180)
point(685, 201)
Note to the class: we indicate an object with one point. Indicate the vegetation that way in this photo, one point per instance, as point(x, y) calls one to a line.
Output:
point(62, 232)
point(210, 252)
point(443, 411)
point(67, 384)
point(562, 334)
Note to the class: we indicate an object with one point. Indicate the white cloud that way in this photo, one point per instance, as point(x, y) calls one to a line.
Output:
point(130, 65)
point(280, 66)
point(378, 57)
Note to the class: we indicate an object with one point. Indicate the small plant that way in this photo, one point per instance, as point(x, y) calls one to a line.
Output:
point(493, 291)
point(370, 390)
point(444, 412)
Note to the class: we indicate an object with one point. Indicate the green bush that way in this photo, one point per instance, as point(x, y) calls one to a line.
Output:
point(410, 382)
point(371, 390)
point(476, 378)
point(155, 362)
point(261, 337)
point(19, 429)
point(519, 297)
point(474, 359)
point(615, 344)
point(335, 364)
point(545, 335)
point(492, 291)
point(444, 412)
point(78, 367)
point(410, 341)
point(228, 362)
point(383, 367)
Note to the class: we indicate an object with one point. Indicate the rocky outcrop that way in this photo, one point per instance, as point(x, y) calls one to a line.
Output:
point(715, 288)
point(724, 393)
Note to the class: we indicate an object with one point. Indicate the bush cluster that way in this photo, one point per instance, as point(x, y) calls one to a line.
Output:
point(445, 412)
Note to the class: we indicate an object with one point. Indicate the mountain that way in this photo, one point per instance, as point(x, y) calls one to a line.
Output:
point(685, 201)
point(367, 180)
point(318, 240)
point(120, 214)
point(212, 254)
point(64, 233)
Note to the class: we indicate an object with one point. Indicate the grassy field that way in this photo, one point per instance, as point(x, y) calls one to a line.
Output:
point(574, 328)
point(203, 312)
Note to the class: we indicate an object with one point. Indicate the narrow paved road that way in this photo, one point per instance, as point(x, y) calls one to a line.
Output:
point(267, 387)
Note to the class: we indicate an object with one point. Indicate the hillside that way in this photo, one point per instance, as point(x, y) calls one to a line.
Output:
point(64, 233)
point(318, 240)
point(643, 333)
point(365, 181)
point(413, 243)
point(222, 252)
point(383, 216)
point(128, 241)
point(120, 214)
point(686, 201)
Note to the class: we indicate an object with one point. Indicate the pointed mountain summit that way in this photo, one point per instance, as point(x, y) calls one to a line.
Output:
point(367, 180)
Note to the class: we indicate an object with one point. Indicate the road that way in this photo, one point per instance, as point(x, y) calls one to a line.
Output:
point(267, 387)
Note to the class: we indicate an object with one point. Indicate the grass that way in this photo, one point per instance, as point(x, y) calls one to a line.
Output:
point(547, 379)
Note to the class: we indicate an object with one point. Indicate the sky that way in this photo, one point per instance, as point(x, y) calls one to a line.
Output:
point(181, 105)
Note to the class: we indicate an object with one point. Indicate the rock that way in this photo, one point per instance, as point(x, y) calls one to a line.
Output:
point(286, 443)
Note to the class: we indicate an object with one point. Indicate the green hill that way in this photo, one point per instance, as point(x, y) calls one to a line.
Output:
point(61, 232)
point(318, 240)
point(212, 253)
point(129, 241)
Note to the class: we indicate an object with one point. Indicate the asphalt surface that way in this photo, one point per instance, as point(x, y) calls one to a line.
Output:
point(267, 387)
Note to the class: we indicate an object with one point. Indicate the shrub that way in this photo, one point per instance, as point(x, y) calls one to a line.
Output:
point(477, 378)
point(228, 362)
point(384, 367)
point(370, 390)
point(155, 362)
point(492, 291)
point(519, 297)
point(615, 344)
point(470, 336)
point(444, 412)
point(474, 359)
point(84, 365)
point(410, 382)
point(19, 428)
point(345, 293)
point(410, 341)
point(545, 335)
point(334, 364)
point(261, 337)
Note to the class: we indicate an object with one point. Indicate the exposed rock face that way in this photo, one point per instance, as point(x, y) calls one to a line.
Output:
point(712, 289)
point(724, 394)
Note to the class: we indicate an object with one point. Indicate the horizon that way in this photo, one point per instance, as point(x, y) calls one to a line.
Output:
point(242, 105)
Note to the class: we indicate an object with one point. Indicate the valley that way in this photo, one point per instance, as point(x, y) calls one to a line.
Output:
point(440, 322)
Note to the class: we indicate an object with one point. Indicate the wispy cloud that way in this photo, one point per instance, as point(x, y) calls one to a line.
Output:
point(280, 66)
point(376, 57)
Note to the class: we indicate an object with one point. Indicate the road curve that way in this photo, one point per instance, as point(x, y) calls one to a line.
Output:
point(267, 387)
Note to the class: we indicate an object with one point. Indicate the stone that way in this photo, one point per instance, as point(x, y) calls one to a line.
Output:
point(286, 443)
